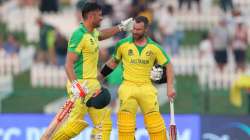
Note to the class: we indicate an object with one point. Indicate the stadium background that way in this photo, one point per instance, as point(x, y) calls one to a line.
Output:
point(30, 85)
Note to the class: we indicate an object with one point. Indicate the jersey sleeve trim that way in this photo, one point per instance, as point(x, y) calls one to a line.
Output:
point(163, 52)
point(75, 41)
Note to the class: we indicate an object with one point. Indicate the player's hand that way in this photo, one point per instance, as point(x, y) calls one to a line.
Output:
point(126, 25)
point(171, 94)
point(79, 90)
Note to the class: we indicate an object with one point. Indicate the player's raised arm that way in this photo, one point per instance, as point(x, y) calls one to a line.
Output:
point(125, 25)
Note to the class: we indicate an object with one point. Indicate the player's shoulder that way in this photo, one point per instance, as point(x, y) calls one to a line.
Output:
point(153, 43)
point(128, 39)
point(76, 36)
point(79, 32)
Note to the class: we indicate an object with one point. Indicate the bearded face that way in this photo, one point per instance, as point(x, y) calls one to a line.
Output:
point(138, 30)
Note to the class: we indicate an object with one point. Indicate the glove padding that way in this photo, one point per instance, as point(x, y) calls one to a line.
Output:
point(158, 74)
point(126, 25)
point(79, 90)
point(100, 99)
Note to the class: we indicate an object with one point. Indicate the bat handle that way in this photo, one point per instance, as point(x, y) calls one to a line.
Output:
point(172, 120)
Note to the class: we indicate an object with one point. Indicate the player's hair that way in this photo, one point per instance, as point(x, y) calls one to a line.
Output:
point(142, 19)
point(89, 7)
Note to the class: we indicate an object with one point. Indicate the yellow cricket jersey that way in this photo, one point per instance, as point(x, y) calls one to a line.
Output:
point(137, 61)
point(85, 45)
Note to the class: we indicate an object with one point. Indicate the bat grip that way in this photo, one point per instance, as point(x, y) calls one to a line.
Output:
point(172, 119)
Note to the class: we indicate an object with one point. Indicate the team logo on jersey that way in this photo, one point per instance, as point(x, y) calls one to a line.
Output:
point(130, 52)
point(92, 41)
point(149, 53)
point(93, 44)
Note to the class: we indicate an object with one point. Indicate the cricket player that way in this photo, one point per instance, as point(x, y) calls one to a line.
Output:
point(138, 54)
point(81, 66)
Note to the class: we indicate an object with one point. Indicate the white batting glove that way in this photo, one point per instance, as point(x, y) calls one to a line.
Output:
point(79, 90)
point(126, 25)
point(156, 73)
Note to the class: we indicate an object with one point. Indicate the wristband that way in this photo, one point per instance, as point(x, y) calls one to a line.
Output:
point(106, 70)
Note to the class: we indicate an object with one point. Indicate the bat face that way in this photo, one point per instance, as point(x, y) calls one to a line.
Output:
point(66, 109)
point(56, 122)
point(173, 132)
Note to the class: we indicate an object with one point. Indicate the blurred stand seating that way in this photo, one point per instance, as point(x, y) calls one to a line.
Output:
point(48, 76)
point(15, 64)
point(11, 65)
point(209, 76)
point(20, 16)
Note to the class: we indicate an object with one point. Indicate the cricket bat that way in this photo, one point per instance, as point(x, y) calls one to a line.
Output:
point(59, 118)
point(61, 115)
point(172, 129)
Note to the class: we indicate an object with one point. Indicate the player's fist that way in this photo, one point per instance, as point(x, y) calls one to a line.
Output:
point(171, 94)
point(126, 25)
point(79, 90)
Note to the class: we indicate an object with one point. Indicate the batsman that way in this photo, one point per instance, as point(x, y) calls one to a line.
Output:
point(81, 67)
point(138, 54)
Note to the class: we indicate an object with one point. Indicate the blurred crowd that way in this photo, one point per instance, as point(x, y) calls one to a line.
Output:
point(10, 46)
point(52, 45)
point(229, 35)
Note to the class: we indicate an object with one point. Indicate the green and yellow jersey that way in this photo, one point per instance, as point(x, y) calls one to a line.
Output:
point(137, 61)
point(85, 45)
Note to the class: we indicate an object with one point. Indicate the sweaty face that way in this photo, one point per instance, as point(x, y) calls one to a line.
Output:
point(96, 18)
point(138, 30)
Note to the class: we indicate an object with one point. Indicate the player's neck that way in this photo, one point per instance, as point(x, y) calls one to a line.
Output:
point(89, 26)
point(141, 41)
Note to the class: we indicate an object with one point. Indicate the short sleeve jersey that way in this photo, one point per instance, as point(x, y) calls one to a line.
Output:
point(137, 62)
point(85, 45)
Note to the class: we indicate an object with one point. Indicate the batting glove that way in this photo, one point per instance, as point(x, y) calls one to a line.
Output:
point(79, 90)
point(156, 73)
point(126, 25)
